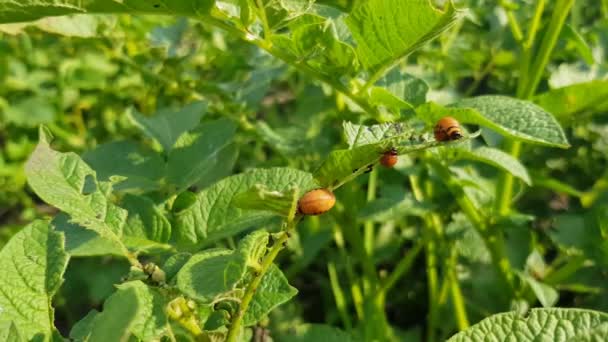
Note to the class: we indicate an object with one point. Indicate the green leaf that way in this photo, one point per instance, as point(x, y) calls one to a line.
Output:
point(580, 44)
point(211, 214)
point(261, 198)
point(167, 125)
point(80, 241)
point(77, 25)
point(174, 264)
point(171, 38)
point(383, 209)
point(496, 158)
point(358, 135)
point(134, 310)
point(66, 182)
point(315, 333)
point(9, 332)
point(223, 165)
point(210, 274)
point(142, 167)
point(538, 325)
point(317, 40)
point(30, 112)
point(517, 119)
point(145, 219)
point(387, 30)
point(546, 294)
point(253, 248)
point(579, 98)
point(273, 291)
point(82, 329)
point(32, 264)
point(197, 153)
point(12, 11)
point(399, 90)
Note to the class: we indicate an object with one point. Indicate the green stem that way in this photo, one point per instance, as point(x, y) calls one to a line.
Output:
point(355, 289)
point(493, 239)
point(504, 187)
point(403, 267)
point(560, 13)
point(513, 24)
point(263, 18)
point(338, 295)
point(235, 325)
point(528, 46)
point(368, 226)
point(457, 298)
point(430, 238)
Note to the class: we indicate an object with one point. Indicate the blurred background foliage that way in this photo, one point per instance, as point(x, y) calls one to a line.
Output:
point(82, 78)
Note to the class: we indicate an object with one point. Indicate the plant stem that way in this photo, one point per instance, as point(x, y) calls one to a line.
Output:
point(504, 187)
point(368, 226)
point(529, 84)
point(338, 295)
point(457, 299)
point(430, 238)
point(402, 268)
point(513, 24)
point(560, 13)
point(235, 325)
point(355, 289)
point(492, 238)
point(263, 18)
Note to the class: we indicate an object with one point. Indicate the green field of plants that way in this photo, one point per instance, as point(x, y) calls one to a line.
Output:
point(303, 170)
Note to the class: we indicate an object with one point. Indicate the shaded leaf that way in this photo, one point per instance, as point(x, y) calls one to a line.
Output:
point(134, 310)
point(497, 158)
point(167, 125)
point(142, 167)
point(196, 154)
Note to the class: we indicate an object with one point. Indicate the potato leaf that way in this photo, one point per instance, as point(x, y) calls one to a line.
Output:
point(538, 325)
point(32, 264)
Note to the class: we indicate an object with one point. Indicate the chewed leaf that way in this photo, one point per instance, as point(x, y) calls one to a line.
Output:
point(538, 325)
point(357, 135)
point(66, 182)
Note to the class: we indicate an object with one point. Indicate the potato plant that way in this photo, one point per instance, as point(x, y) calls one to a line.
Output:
point(232, 180)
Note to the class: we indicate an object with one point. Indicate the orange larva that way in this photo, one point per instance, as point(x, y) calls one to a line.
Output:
point(316, 202)
point(447, 129)
point(389, 158)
